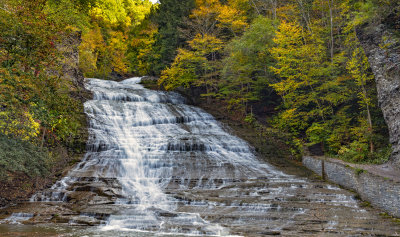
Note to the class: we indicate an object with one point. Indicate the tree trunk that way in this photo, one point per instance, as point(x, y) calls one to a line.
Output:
point(369, 117)
point(255, 7)
point(42, 142)
point(305, 16)
point(208, 97)
point(331, 19)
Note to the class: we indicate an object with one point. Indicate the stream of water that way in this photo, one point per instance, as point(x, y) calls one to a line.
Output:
point(156, 166)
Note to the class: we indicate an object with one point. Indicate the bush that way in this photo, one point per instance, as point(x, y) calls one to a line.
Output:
point(359, 152)
point(22, 156)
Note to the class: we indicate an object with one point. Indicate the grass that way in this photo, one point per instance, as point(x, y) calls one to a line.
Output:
point(359, 171)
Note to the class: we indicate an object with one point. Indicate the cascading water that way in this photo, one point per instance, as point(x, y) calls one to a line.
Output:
point(156, 138)
point(158, 166)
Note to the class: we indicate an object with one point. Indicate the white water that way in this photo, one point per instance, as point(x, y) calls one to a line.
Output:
point(17, 218)
point(146, 132)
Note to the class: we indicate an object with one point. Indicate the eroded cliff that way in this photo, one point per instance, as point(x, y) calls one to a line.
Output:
point(382, 48)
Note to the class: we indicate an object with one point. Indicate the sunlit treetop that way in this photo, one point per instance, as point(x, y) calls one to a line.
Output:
point(121, 12)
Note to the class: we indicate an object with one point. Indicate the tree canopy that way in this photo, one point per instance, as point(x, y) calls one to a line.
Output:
point(299, 60)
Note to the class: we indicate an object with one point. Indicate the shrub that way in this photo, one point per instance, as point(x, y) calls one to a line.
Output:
point(21, 156)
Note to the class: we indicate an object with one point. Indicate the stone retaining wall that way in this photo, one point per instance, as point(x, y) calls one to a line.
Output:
point(383, 193)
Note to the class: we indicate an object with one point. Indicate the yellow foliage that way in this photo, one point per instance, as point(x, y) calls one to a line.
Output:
point(358, 66)
point(290, 53)
point(137, 10)
point(287, 12)
point(193, 67)
point(143, 42)
point(92, 44)
point(233, 18)
point(206, 44)
point(210, 14)
point(20, 125)
point(112, 53)
point(183, 71)
point(112, 12)
point(118, 48)
point(121, 12)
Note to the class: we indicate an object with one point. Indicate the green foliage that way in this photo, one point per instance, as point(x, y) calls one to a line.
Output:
point(250, 119)
point(358, 152)
point(366, 10)
point(183, 71)
point(168, 15)
point(21, 156)
point(246, 69)
point(307, 53)
point(67, 13)
point(35, 100)
point(91, 49)
point(355, 151)
point(372, 11)
point(299, 60)
point(195, 66)
point(141, 40)
point(317, 133)
point(108, 44)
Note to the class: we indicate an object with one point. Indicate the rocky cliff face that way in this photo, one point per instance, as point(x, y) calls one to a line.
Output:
point(70, 63)
point(70, 71)
point(383, 51)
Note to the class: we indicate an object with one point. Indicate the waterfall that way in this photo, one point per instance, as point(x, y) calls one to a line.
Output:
point(153, 137)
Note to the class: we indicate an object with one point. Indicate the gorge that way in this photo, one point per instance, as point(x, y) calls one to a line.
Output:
point(156, 166)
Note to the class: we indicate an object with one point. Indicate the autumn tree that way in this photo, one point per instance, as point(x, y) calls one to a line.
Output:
point(140, 47)
point(105, 44)
point(214, 18)
point(311, 94)
point(246, 68)
point(195, 67)
point(34, 99)
point(169, 17)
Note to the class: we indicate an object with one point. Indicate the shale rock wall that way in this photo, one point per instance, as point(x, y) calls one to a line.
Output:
point(70, 62)
point(383, 51)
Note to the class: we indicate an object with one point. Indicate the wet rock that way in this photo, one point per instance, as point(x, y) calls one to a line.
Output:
point(85, 220)
point(98, 200)
point(77, 220)
point(166, 214)
point(270, 233)
point(103, 210)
